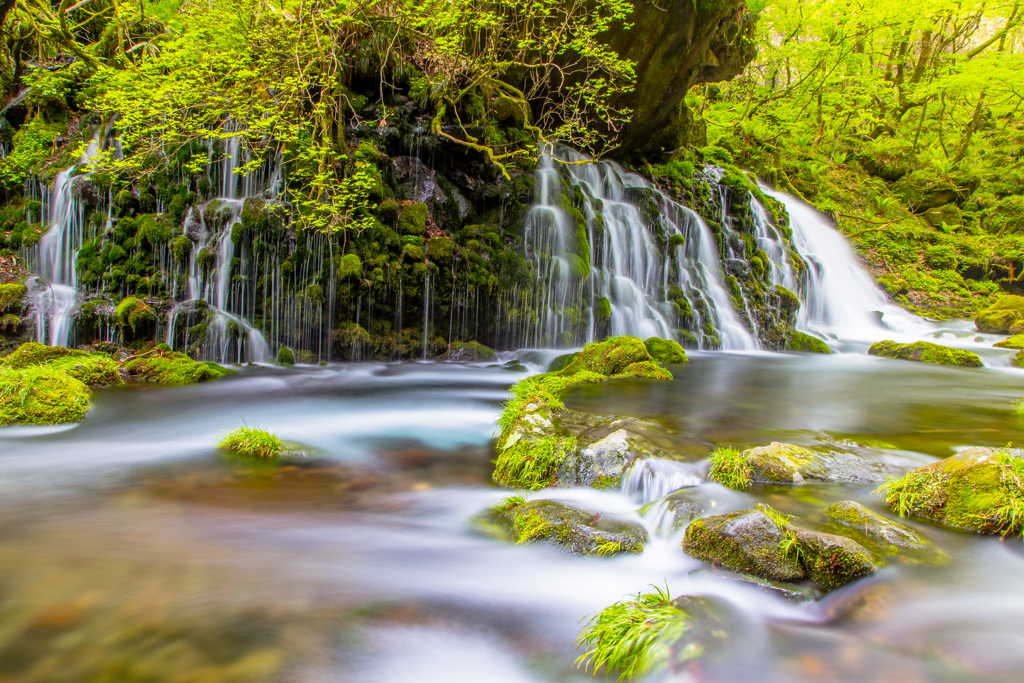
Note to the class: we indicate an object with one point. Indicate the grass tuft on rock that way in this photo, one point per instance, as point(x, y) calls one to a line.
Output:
point(632, 636)
point(729, 467)
point(252, 442)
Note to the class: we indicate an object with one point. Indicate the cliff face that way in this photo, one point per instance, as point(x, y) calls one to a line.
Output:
point(677, 44)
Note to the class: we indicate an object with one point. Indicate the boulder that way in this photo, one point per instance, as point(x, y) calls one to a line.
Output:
point(163, 366)
point(832, 561)
point(1002, 315)
point(1015, 342)
point(977, 489)
point(665, 350)
point(925, 352)
point(610, 357)
point(799, 341)
point(784, 463)
point(472, 351)
point(600, 465)
point(93, 369)
point(884, 536)
point(39, 395)
point(573, 530)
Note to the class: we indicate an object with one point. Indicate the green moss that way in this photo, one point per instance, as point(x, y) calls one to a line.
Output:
point(1002, 315)
point(532, 464)
point(285, 356)
point(134, 314)
point(577, 531)
point(884, 536)
point(562, 362)
point(181, 247)
point(644, 369)
point(164, 367)
point(154, 230)
point(730, 468)
point(40, 395)
point(978, 490)
point(252, 442)
point(799, 341)
point(609, 357)
point(350, 266)
point(748, 541)
point(602, 310)
point(11, 295)
point(788, 301)
point(925, 352)
point(413, 220)
point(665, 350)
point(1014, 342)
point(440, 249)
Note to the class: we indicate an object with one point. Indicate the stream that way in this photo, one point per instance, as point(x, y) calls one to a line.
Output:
point(131, 549)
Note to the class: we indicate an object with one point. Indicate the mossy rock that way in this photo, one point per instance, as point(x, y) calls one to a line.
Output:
point(92, 369)
point(168, 367)
point(609, 357)
point(599, 465)
point(286, 356)
point(925, 352)
point(576, 531)
point(11, 296)
point(562, 362)
point(472, 351)
point(665, 350)
point(788, 301)
point(799, 341)
point(134, 317)
point(645, 370)
point(977, 490)
point(1014, 342)
point(413, 219)
point(1000, 316)
point(747, 541)
point(763, 543)
point(884, 536)
point(40, 395)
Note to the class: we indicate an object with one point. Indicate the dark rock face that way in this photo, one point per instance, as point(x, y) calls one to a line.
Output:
point(677, 44)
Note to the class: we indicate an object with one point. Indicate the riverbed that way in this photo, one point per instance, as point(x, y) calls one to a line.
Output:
point(131, 549)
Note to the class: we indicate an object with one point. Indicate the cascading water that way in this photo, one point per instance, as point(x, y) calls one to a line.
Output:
point(840, 300)
point(55, 297)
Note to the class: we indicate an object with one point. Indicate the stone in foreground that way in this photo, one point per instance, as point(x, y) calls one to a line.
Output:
point(576, 531)
point(925, 352)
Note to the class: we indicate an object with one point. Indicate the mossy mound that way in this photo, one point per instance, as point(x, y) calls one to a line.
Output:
point(665, 350)
point(576, 531)
point(763, 543)
point(39, 395)
point(562, 362)
point(11, 296)
point(798, 341)
point(925, 352)
point(1014, 342)
point(95, 370)
point(134, 315)
point(784, 463)
point(883, 536)
point(472, 352)
point(531, 451)
point(168, 367)
point(977, 489)
point(1002, 315)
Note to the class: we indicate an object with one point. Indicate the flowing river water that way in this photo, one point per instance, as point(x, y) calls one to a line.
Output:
point(131, 550)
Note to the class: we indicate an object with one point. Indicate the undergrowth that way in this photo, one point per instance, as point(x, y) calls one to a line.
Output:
point(531, 464)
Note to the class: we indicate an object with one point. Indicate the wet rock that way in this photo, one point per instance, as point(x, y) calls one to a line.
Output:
point(576, 531)
point(832, 561)
point(561, 362)
point(790, 592)
point(747, 541)
point(977, 489)
point(600, 465)
point(609, 357)
point(882, 535)
point(472, 351)
point(925, 352)
point(1002, 315)
point(678, 509)
point(92, 369)
point(163, 366)
point(783, 463)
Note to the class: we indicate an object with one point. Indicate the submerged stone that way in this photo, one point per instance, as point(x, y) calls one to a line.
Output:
point(1002, 315)
point(977, 489)
point(790, 592)
point(882, 535)
point(576, 531)
point(681, 507)
point(925, 352)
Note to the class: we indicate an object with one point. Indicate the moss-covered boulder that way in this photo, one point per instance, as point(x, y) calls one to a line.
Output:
point(39, 395)
point(531, 449)
point(925, 352)
point(977, 489)
point(576, 531)
point(413, 219)
point(93, 369)
point(882, 536)
point(12, 296)
point(168, 367)
point(665, 350)
point(805, 343)
point(762, 542)
point(1002, 315)
point(784, 463)
point(135, 318)
point(562, 362)
point(472, 352)
point(1015, 342)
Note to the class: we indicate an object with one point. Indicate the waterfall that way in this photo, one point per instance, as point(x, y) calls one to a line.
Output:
point(840, 299)
point(55, 298)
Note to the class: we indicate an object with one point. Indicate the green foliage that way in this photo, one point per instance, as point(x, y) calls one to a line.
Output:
point(730, 468)
point(632, 636)
point(133, 313)
point(252, 442)
point(11, 295)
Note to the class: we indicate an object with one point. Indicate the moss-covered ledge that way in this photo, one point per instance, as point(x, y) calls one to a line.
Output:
point(531, 450)
point(925, 352)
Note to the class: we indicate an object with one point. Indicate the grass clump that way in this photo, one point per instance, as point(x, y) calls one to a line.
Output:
point(39, 395)
point(253, 442)
point(532, 464)
point(633, 636)
point(730, 468)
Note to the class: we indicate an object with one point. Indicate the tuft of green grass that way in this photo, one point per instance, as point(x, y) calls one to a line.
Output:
point(531, 465)
point(511, 502)
point(606, 548)
point(730, 468)
point(253, 442)
point(633, 636)
point(789, 544)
